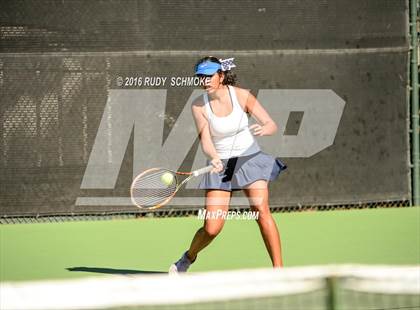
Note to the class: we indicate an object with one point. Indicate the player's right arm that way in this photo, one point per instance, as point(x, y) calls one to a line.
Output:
point(202, 125)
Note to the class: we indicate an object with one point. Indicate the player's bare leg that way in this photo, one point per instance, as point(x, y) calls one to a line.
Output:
point(215, 200)
point(257, 194)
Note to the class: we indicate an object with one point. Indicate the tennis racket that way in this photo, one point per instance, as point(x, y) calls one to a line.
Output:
point(155, 187)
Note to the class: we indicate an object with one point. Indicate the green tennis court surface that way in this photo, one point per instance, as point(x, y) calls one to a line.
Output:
point(77, 249)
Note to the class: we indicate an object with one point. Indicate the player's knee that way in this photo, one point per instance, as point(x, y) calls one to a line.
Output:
point(213, 230)
point(263, 212)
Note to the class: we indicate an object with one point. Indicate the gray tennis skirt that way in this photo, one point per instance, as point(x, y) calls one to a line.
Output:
point(239, 172)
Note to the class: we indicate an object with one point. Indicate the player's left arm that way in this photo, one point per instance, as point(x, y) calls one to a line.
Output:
point(265, 125)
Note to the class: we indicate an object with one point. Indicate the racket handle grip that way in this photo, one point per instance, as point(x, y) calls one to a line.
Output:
point(202, 170)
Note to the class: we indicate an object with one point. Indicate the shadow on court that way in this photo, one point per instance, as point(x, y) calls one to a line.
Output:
point(112, 270)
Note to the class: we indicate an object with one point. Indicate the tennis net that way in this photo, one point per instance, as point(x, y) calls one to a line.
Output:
point(325, 287)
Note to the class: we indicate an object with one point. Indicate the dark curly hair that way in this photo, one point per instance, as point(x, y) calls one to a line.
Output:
point(230, 78)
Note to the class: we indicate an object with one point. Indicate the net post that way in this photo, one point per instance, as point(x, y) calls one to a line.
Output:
point(330, 301)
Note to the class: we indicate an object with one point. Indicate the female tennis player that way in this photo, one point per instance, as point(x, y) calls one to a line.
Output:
point(228, 141)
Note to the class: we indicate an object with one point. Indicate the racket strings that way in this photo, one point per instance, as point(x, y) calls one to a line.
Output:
point(150, 189)
point(155, 174)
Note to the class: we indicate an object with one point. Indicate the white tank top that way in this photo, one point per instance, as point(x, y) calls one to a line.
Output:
point(230, 134)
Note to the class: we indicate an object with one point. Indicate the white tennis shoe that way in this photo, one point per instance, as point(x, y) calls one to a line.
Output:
point(181, 265)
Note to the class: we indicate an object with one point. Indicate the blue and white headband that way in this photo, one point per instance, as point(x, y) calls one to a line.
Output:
point(209, 67)
point(227, 64)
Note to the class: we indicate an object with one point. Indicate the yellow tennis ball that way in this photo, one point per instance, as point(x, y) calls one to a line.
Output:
point(167, 178)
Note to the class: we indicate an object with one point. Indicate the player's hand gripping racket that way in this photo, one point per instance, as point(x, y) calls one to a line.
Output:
point(155, 187)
